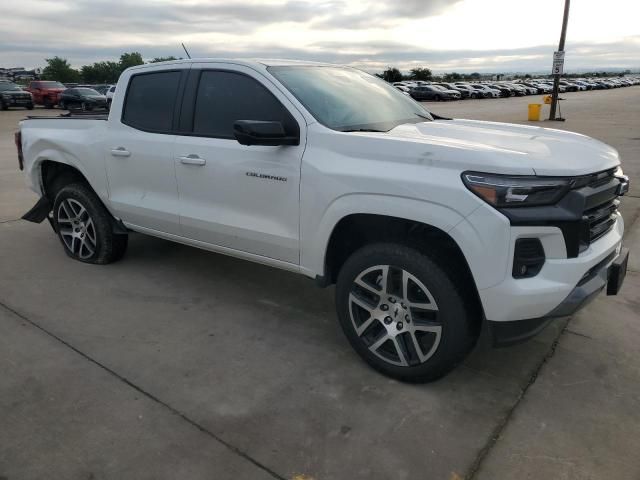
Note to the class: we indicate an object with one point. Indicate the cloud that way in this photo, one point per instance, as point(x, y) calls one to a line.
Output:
point(365, 33)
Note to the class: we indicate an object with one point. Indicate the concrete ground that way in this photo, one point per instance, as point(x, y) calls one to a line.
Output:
point(179, 363)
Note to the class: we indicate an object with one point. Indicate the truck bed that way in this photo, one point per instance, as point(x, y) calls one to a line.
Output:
point(72, 116)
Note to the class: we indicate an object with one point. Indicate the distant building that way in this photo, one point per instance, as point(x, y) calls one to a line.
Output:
point(18, 73)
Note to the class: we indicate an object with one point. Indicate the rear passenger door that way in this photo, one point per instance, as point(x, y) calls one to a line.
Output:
point(245, 198)
point(139, 150)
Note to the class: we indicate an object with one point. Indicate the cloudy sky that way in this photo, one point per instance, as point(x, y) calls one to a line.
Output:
point(445, 35)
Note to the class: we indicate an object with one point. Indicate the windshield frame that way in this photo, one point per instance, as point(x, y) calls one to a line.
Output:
point(421, 114)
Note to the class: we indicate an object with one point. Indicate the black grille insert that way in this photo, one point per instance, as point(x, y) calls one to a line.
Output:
point(528, 258)
point(600, 220)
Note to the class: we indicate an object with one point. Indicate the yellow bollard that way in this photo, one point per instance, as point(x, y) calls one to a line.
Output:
point(534, 112)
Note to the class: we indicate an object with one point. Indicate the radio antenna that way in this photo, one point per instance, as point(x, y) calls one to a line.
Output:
point(185, 51)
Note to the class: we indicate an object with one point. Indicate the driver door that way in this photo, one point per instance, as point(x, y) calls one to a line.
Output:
point(244, 198)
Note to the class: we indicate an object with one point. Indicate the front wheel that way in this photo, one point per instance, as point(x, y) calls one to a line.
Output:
point(85, 227)
point(402, 313)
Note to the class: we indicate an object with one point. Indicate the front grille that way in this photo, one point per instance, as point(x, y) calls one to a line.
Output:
point(601, 178)
point(601, 219)
point(600, 207)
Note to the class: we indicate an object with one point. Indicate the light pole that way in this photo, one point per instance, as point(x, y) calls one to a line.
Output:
point(556, 77)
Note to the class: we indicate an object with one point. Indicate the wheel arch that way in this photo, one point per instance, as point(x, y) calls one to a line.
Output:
point(53, 175)
point(357, 230)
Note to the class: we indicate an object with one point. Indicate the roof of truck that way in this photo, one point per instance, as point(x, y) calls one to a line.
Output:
point(254, 62)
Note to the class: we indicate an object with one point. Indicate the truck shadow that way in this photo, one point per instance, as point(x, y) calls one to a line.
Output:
point(295, 298)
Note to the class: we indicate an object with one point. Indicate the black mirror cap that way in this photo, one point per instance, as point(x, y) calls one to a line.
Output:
point(260, 132)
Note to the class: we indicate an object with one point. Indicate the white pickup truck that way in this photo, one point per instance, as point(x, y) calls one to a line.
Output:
point(431, 228)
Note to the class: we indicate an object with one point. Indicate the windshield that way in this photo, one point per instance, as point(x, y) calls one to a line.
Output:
point(346, 99)
point(8, 86)
point(87, 91)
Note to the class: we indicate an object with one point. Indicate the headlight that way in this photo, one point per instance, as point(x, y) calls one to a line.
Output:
point(6, 96)
point(516, 191)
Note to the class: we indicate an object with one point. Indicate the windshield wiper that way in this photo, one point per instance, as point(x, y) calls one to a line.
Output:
point(422, 116)
point(363, 130)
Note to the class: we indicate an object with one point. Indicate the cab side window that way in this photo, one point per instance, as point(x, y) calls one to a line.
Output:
point(150, 101)
point(224, 97)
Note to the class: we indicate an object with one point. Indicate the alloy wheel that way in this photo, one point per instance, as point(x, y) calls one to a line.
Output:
point(395, 315)
point(76, 228)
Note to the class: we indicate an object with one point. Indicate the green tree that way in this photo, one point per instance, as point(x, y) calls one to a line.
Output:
point(101, 72)
point(452, 77)
point(59, 69)
point(392, 74)
point(421, 74)
point(164, 59)
point(130, 59)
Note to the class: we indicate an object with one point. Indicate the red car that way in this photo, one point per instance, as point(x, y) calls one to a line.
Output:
point(46, 92)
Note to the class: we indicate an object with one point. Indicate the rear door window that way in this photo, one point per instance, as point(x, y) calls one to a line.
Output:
point(150, 101)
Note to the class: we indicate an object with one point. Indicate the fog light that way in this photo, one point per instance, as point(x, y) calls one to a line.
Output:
point(528, 258)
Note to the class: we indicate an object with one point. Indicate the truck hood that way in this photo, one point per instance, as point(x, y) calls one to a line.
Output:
point(508, 148)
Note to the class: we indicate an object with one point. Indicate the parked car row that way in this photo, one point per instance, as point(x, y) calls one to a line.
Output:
point(50, 93)
point(440, 91)
point(12, 95)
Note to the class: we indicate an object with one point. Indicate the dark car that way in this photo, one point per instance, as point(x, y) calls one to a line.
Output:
point(82, 98)
point(101, 89)
point(11, 95)
point(428, 92)
point(464, 93)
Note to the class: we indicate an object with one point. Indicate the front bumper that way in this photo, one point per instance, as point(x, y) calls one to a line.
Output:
point(608, 273)
point(536, 297)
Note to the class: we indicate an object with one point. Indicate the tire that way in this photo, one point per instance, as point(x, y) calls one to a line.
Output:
point(437, 98)
point(85, 226)
point(474, 95)
point(416, 333)
point(30, 107)
point(47, 103)
point(4, 106)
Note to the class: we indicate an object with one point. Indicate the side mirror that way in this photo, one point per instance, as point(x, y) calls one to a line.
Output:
point(257, 132)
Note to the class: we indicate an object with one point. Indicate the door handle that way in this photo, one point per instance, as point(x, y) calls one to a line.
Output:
point(120, 152)
point(192, 160)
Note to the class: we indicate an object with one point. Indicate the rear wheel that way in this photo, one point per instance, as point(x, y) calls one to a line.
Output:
point(47, 103)
point(4, 106)
point(402, 313)
point(85, 226)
